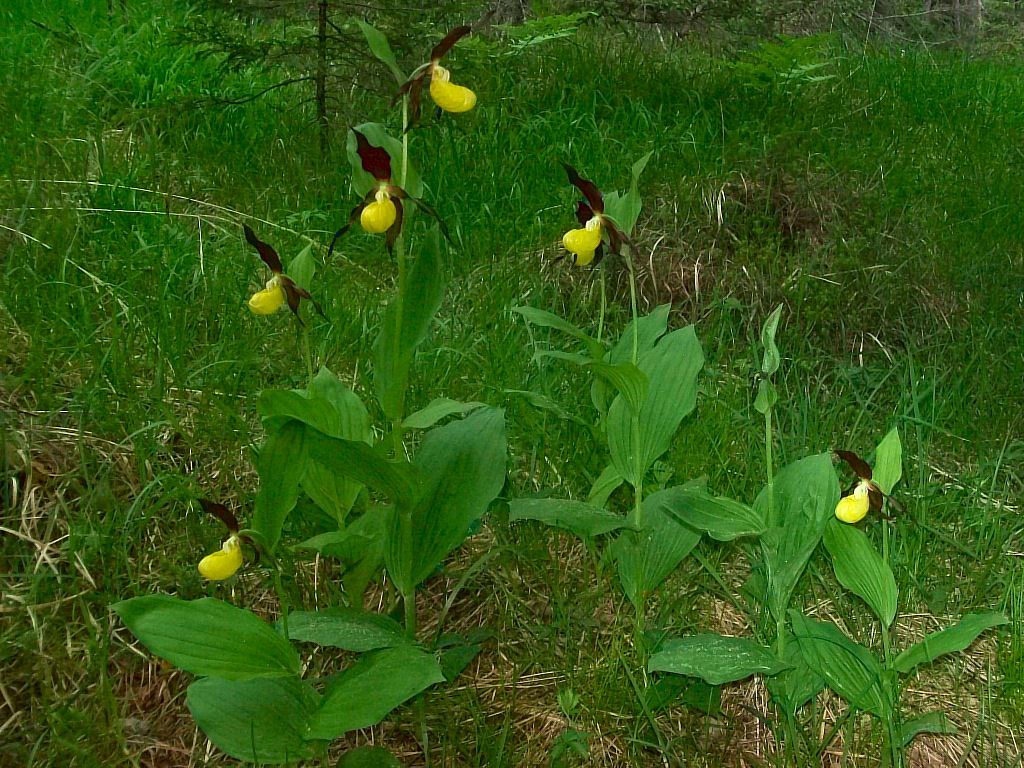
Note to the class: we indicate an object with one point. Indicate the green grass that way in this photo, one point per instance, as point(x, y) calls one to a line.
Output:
point(892, 234)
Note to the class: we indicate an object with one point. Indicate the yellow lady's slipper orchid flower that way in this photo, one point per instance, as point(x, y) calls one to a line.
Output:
point(447, 95)
point(379, 215)
point(586, 245)
point(852, 509)
point(583, 243)
point(223, 563)
point(865, 495)
point(269, 300)
point(280, 287)
point(381, 209)
point(226, 561)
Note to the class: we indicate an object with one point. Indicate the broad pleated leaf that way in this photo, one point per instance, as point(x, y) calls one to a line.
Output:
point(357, 461)
point(793, 687)
point(626, 379)
point(715, 659)
point(581, 518)
point(624, 209)
point(302, 268)
point(606, 484)
point(365, 693)
point(888, 467)
point(438, 409)
point(805, 497)
point(348, 628)
point(545, 319)
point(280, 464)
point(649, 329)
point(671, 369)
point(359, 548)
point(208, 637)
point(929, 722)
point(849, 669)
point(950, 640)
point(353, 420)
point(256, 721)
point(394, 348)
point(723, 519)
point(645, 558)
point(464, 466)
point(381, 49)
point(861, 569)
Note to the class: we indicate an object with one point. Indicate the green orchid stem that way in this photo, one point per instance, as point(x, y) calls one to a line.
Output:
point(397, 436)
point(305, 349)
point(282, 602)
point(604, 306)
point(769, 465)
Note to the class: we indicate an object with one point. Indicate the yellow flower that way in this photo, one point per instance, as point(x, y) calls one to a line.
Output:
point(269, 300)
point(587, 244)
point(852, 509)
point(379, 215)
point(223, 563)
point(865, 495)
point(447, 95)
point(583, 243)
point(280, 287)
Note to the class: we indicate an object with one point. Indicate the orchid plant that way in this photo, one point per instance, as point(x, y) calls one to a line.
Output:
point(645, 385)
point(801, 507)
point(257, 696)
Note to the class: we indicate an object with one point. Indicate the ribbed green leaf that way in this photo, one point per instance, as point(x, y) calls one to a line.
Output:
point(256, 721)
point(545, 319)
point(464, 466)
point(929, 722)
point(366, 692)
point(606, 484)
point(280, 464)
point(849, 669)
point(302, 268)
point(437, 409)
point(861, 569)
point(805, 494)
point(671, 369)
point(208, 637)
point(359, 548)
point(715, 659)
point(348, 628)
point(949, 640)
point(583, 519)
point(721, 518)
point(649, 329)
point(645, 558)
point(380, 48)
point(888, 467)
point(793, 687)
point(368, 757)
point(357, 461)
point(771, 360)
